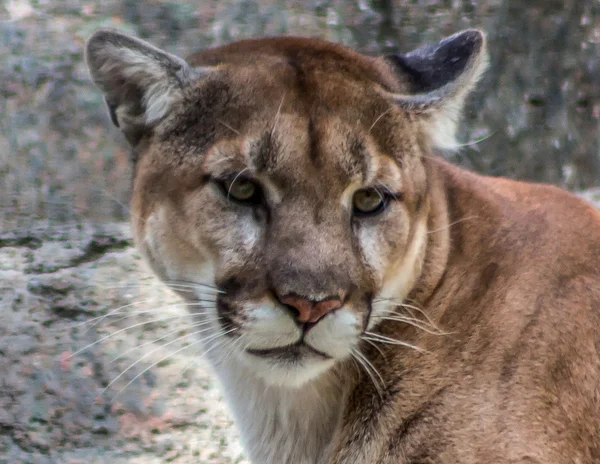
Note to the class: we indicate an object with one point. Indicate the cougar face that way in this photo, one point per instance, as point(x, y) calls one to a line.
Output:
point(286, 174)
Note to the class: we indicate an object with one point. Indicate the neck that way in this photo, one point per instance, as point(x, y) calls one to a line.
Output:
point(282, 424)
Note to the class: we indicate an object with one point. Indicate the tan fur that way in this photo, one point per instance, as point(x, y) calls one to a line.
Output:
point(498, 357)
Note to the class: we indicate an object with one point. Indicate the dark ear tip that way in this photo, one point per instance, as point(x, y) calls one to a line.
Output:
point(473, 38)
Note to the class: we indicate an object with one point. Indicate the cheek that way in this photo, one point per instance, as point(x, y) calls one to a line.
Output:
point(384, 243)
point(232, 234)
point(165, 246)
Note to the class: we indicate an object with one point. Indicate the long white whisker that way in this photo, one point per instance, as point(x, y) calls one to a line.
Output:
point(378, 118)
point(196, 352)
point(181, 286)
point(383, 339)
point(374, 346)
point(179, 329)
point(277, 114)
point(452, 224)
point(106, 337)
point(412, 323)
point(407, 306)
point(161, 360)
point(474, 141)
point(415, 322)
point(97, 320)
point(162, 308)
point(367, 366)
point(132, 365)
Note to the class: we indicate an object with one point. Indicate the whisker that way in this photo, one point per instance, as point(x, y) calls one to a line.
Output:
point(412, 322)
point(356, 365)
point(145, 355)
point(391, 341)
point(233, 346)
point(278, 113)
point(229, 127)
point(162, 308)
point(193, 284)
point(406, 306)
point(233, 181)
point(468, 218)
point(98, 319)
point(375, 346)
point(106, 337)
point(161, 360)
point(199, 354)
point(474, 141)
point(367, 366)
point(425, 315)
point(198, 324)
point(153, 282)
point(130, 314)
point(392, 314)
point(378, 118)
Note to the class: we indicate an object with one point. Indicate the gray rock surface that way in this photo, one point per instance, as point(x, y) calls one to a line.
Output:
point(57, 354)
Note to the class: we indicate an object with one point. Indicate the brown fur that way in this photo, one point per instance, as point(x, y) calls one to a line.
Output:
point(510, 271)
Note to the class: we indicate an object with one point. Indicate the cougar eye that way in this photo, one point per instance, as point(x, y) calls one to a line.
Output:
point(242, 190)
point(368, 201)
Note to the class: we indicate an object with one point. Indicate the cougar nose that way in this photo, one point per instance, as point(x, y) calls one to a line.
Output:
point(309, 310)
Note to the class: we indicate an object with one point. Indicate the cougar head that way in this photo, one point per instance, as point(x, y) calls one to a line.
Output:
point(285, 181)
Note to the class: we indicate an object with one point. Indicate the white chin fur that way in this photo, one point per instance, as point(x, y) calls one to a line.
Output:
point(286, 374)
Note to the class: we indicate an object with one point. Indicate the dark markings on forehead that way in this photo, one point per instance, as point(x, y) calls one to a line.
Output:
point(306, 96)
point(263, 152)
point(313, 137)
point(357, 162)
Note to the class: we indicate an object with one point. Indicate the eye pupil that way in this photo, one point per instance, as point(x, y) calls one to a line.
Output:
point(241, 189)
point(368, 201)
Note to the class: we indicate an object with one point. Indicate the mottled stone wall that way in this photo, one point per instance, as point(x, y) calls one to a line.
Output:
point(535, 116)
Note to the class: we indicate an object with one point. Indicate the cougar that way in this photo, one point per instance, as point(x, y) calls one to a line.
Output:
point(366, 301)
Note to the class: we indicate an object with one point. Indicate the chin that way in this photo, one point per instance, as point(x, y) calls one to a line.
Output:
point(292, 368)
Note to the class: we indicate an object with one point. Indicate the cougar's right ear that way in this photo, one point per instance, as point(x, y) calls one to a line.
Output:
point(140, 82)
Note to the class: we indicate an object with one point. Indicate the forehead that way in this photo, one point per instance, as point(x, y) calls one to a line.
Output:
point(275, 106)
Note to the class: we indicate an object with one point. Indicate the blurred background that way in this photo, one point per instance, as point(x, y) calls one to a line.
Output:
point(535, 116)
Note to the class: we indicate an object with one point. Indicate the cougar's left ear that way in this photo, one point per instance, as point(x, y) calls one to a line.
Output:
point(140, 82)
point(439, 77)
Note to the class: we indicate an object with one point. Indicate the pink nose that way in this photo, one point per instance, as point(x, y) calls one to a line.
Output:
point(311, 311)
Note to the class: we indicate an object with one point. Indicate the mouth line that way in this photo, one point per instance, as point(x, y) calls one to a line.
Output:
point(293, 351)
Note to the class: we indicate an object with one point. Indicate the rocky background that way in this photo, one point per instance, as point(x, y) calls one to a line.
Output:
point(66, 259)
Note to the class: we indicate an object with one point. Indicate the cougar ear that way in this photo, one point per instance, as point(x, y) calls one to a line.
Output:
point(439, 77)
point(140, 82)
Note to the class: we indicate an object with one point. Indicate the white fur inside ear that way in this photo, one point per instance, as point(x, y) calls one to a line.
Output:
point(441, 125)
point(160, 90)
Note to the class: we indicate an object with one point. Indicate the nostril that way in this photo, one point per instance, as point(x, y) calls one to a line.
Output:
point(310, 311)
point(302, 306)
point(291, 309)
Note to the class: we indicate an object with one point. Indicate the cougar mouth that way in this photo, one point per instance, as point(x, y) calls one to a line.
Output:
point(291, 352)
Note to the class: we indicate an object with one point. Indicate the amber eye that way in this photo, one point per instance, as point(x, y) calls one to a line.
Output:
point(241, 189)
point(368, 201)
